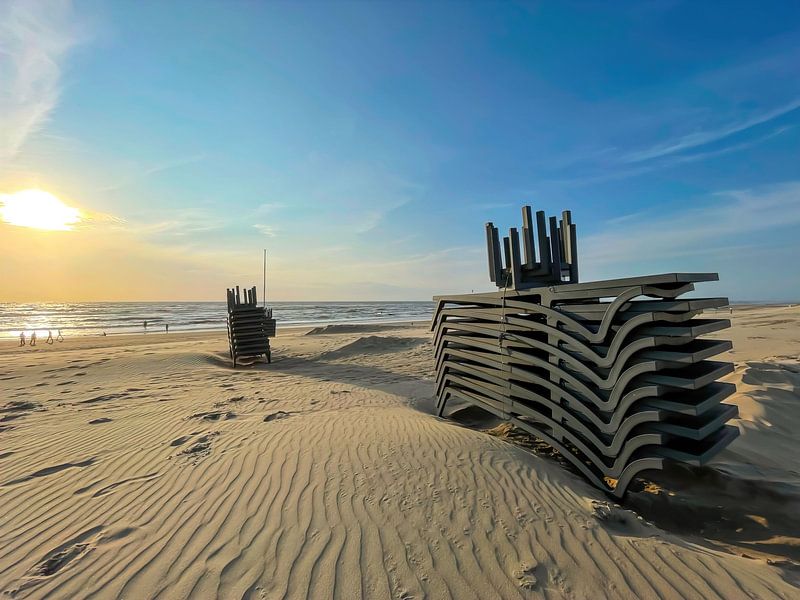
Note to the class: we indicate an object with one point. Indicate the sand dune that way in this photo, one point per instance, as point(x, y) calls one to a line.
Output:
point(374, 344)
point(151, 469)
point(341, 328)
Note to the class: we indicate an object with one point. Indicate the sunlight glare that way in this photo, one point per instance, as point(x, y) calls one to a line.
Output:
point(37, 209)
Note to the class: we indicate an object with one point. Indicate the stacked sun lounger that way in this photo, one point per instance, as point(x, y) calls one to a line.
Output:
point(613, 374)
point(249, 326)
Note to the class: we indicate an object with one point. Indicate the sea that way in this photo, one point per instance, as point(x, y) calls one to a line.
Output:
point(109, 318)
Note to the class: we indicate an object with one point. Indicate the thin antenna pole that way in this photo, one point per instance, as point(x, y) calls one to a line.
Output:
point(265, 278)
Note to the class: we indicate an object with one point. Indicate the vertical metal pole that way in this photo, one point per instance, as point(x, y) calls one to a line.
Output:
point(265, 278)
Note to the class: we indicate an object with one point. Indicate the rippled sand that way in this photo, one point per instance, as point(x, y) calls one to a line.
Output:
point(143, 467)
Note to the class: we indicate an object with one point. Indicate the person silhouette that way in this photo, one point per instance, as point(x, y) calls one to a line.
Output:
point(49, 337)
point(33, 338)
point(21, 338)
point(145, 326)
point(60, 337)
point(166, 327)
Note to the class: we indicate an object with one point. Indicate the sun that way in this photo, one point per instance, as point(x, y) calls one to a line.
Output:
point(37, 209)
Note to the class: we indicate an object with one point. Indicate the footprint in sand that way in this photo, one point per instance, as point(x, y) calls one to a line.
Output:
point(110, 488)
point(526, 575)
point(198, 448)
point(59, 557)
point(281, 414)
point(54, 563)
point(180, 441)
point(11, 417)
point(201, 447)
point(18, 406)
point(617, 518)
point(50, 471)
point(104, 398)
point(213, 416)
point(17, 409)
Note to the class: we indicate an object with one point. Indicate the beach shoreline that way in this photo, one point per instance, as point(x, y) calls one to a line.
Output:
point(121, 318)
point(88, 341)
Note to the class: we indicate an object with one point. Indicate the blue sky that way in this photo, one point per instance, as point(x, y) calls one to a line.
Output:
point(364, 144)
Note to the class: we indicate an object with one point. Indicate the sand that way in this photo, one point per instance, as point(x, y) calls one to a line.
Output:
point(145, 467)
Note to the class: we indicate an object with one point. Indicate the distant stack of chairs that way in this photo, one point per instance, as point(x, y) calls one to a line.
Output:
point(612, 374)
point(249, 326)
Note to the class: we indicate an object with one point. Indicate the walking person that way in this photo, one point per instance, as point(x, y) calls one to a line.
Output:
point(49, 337)
point(166, 327)
point(145, 326)
point(59, 337)
point(21, 338)
point(33, 338)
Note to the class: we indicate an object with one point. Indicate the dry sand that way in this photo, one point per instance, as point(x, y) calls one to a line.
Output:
point(144, 466)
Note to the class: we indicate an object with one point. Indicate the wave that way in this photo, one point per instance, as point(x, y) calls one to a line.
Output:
point(95, 318)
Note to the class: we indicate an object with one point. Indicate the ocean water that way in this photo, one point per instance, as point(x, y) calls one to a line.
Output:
point(95, 318)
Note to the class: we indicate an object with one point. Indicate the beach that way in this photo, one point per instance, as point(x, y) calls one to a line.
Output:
point(144, 466)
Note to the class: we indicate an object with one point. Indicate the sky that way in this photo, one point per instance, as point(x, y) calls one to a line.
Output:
point(365, 144)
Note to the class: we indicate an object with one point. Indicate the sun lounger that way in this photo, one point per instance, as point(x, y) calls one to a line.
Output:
point(610, 373)
point(249, 326)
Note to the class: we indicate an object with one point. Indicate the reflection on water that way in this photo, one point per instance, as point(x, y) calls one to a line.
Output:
point(94, 318)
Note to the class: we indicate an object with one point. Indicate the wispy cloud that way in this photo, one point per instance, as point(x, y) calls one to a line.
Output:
point(697, 156)
point(178, 223)
point(35, 38)
point(269, 207)
point(174, 163)
point(99, 219)
point(359, 275)
point(370, 218)
point(701, 138)
point(613, 172)
point(167, 165)
point(730, 217)
point(267, 230)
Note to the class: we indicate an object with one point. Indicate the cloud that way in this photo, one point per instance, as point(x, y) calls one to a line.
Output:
point(420, 276)
point(733, 217)
point(369, 219)
point(268, 207)
point(697, 156)
point(267, 230)
point(168, 165)
point(701, 138)
point(35, 38)
point(178, 222)
point(608, 172)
